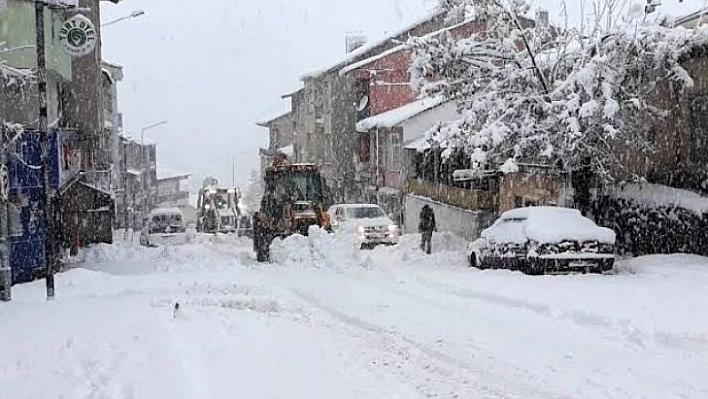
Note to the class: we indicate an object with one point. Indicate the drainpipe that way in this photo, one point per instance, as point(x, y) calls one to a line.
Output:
point(5, 268)
point(377, 165)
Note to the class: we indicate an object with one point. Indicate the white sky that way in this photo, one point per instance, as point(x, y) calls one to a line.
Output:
point(212, 68)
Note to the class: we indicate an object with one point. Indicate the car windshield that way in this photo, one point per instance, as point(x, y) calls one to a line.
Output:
point(368, 212)
point(166, 220)
point(301, 186)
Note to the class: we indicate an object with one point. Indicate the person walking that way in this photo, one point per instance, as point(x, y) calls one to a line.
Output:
point(426, 226)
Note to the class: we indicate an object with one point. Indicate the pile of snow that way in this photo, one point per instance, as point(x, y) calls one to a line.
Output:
point(659, 195)
point(319, 249)
point(448, 250)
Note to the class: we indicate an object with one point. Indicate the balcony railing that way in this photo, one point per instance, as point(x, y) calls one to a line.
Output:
point(475, 200)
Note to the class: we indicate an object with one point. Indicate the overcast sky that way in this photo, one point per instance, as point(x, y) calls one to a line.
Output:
point(212, 68)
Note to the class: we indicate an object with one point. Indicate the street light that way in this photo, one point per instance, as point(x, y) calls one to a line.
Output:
point(142, 175)
point(133, 14)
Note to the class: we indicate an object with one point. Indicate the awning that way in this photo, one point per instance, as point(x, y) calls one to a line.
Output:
point(134, 172)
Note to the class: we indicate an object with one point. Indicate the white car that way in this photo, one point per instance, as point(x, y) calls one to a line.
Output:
point(163, 226)
point(537, 240)
point(368, 221)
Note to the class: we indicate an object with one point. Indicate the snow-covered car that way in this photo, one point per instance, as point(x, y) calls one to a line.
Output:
point(537, 240)
point(163, 226)
point(368, 221)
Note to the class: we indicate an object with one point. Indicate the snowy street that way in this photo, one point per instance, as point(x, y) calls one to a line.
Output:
point(327, 321)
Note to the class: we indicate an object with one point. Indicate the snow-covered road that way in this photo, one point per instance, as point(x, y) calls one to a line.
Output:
point(327, 321)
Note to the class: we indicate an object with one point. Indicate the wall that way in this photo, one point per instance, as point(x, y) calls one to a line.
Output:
point(458, 197)
point(671, 163)
point(17, 31)
point(466, 224)
point(543, 188)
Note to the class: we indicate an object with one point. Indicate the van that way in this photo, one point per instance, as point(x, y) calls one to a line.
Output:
point(163, 226)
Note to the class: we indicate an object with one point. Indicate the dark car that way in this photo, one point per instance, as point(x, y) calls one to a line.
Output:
point(538, 240)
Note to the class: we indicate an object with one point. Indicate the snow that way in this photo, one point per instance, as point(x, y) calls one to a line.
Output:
point(166, 211)
point(288, 150)
point(62, 3)
point(394, 117)
point(328, 321)
point(363, 50)
point(369, 60)
point(420, 144)
point(546, 225)
point(660, 195)
point(272, 118)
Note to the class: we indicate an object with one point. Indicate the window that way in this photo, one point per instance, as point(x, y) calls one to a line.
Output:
point(368, 212)
point(394, 152)
point(364, 147)
point(699, 129)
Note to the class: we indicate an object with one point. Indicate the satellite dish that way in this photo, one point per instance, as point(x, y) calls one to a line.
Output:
point(363, 103)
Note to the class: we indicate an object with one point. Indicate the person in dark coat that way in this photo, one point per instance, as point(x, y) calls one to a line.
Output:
point(426, 226)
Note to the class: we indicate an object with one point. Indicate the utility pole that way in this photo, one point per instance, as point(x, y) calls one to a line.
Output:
point(48, 211)
point(5, 268)
point(124, 145)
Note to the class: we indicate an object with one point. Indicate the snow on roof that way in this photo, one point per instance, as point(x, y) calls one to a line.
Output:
point(369, 60)
point(168, 211)
point(699, 13)
point(396, 49)
point(62, 3)
point(288, 150)
point(358, 205)
point(660, 195)
point(398, 115)
point(272, 118)
point(293, 92)
point(363, 50)
point(547, 224)
point(420, 144)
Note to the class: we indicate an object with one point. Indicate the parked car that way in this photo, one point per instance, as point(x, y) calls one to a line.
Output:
point(368, 221)
point(538, 240)
point(163, 226)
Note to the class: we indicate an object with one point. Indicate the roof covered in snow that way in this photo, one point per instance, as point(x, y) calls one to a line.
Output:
point(369, 60)
point(166, 211)
point(269, 120)
point(420, 144)
point(364, 50)
point(394, 117)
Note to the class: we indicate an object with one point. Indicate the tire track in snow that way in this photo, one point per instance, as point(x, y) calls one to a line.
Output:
point(623, 328)
point(446, 366)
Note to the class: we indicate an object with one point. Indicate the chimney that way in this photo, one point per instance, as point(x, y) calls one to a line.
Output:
point(354, 40)
point(542, 18)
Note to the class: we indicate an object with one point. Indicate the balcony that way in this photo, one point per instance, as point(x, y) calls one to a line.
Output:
point(474, 200)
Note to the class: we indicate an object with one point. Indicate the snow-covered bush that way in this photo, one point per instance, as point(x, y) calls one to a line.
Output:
point(563, 96)
point(643, 228)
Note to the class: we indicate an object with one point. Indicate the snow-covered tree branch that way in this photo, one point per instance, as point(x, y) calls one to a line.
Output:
point(534, 92)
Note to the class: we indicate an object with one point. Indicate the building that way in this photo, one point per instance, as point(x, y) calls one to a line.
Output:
point(18, 55)
point(281, 138)
point(139, 164)
point(694, 19)
point(326, 110)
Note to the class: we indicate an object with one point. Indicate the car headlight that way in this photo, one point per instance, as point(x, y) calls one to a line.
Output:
point(360, 229)
point(207, 207)
point(392, 228)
